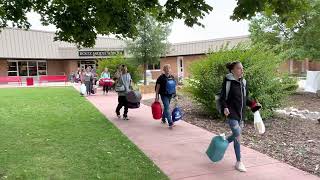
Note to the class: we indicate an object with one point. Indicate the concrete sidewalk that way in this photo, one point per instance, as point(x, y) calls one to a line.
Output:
point(180, 152)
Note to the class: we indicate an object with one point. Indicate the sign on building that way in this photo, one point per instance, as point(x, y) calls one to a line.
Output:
point(100, 53)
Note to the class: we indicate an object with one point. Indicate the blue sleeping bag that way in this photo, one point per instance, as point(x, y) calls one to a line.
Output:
point(217, 148)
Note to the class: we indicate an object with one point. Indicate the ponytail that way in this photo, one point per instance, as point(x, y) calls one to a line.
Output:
point(231, 65)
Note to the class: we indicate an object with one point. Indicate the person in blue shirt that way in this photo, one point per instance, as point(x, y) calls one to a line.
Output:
point(105, 74)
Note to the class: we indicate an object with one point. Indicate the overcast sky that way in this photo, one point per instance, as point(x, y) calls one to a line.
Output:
point(217, 24)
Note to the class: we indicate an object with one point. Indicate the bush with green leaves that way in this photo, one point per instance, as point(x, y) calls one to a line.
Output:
point(113, 63)
point(265, 83)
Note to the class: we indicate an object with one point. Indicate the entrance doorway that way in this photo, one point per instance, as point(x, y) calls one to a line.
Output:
point(86, 63)
point(180, 66)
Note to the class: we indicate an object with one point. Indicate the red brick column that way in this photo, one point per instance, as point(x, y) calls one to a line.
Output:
point(3, 67)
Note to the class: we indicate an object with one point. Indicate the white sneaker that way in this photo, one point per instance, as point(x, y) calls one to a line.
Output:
point(240, 167)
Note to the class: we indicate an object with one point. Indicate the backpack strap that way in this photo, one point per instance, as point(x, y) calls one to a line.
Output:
point(244, 87)
point(228, 86)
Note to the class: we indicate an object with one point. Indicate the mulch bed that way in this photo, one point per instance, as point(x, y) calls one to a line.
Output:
point(291, 140)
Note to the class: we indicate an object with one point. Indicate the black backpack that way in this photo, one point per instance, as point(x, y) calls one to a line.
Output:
point(218, 96)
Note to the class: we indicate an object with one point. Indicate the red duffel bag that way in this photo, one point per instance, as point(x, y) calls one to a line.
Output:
point(105, 82)
point(156, 110)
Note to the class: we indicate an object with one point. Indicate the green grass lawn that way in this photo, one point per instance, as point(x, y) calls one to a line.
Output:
point(53, 133)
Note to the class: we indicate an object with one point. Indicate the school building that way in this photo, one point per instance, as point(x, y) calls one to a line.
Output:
point(181, 55)
point(34, 53)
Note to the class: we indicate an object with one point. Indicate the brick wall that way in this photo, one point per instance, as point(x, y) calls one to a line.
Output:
point(187, 60)
point(299, 67)
point(314, 66)
point(70, 66)
point(60, 67)
point(284, 67)
point(55, 67)
point(156, 73)
point(172, 61)
point(3, 67)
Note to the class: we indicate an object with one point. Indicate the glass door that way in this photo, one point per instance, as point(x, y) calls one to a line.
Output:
point(82, 66)
point(87, 63)
point(180, 66)
point(23, 68)
point(32, 68)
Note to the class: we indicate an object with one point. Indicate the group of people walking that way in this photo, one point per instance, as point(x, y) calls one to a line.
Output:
point(89, 78)
point(234, 98)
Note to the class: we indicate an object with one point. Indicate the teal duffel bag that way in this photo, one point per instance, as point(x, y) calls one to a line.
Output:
point(217, 148)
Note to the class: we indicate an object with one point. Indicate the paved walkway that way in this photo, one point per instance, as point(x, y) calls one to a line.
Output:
point(180, 152)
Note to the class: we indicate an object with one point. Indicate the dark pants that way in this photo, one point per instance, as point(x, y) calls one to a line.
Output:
point(236, 131)
point(105, 88)
point(166, 99)
point(95, 81)
point(88, 86)
point(122, 101)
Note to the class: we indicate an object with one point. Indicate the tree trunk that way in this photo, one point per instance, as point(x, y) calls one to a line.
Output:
point(145, 73)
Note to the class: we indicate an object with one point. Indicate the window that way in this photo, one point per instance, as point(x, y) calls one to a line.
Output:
point(12, 73)
point(32, 67)
point(150, 66)
point(12, 68)
point(23, 68)
point(27, 68)
point(154, 66)
point(42, 68)
point(157, 66)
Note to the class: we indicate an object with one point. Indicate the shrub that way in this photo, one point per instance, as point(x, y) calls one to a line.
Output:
point(113, 63)
point(265, 83)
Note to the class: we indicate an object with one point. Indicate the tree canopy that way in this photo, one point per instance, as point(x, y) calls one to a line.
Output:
point(150, 44)
point(298, 41)
point(79, 21)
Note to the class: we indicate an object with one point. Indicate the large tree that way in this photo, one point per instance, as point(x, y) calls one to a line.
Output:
point(298, 41)
point(79, 21)
point(150, 44)
point(289, 11)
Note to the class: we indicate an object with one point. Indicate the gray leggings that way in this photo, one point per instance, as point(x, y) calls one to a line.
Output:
point(236, 131)
point(88, 86)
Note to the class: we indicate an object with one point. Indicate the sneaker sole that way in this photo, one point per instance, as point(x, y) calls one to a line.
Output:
point(240, 170)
